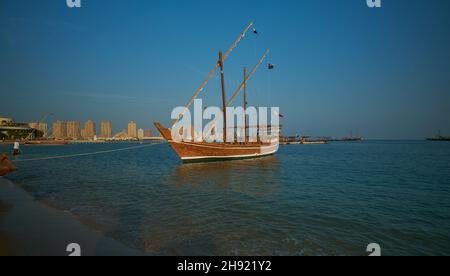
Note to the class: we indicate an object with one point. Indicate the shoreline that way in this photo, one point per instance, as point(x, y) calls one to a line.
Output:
point(5, 246)
point(31, 228)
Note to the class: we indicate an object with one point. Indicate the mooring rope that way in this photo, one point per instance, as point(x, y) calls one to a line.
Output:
point(84, 154)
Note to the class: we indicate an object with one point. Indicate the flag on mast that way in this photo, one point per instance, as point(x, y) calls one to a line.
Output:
point(278, 114)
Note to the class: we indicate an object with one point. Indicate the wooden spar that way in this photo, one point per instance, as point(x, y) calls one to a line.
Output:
point(247, 79)
point(200, 89)
point(245, 104)
point(224, 99)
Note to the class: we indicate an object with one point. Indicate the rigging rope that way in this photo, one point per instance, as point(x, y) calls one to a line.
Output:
point(269, 88)
point(84, 154)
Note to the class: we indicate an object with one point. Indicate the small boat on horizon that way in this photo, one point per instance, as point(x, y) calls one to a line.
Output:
point(303, 140)
point(314, 142)
point(439, 138)
point(352, 138)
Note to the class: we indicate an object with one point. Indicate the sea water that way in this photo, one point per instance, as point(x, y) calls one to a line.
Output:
point(330, 199)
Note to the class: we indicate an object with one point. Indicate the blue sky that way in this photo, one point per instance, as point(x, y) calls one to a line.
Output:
point(340, 66)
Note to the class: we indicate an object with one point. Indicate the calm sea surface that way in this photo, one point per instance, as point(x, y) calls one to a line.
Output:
point(307, 200)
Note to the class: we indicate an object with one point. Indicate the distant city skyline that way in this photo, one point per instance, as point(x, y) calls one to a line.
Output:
point(73, 129)
point(102, 129)
point(107, 124)
point(340, 66)
point(106, 129)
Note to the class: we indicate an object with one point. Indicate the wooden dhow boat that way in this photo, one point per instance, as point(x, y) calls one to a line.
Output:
point(190, 151)
point(194, 151)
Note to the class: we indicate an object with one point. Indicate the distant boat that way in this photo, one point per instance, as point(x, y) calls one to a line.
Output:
point(352, 138)
point(290, 140)
point(305, 140)
point(439, 137)
point(193, 151)
point(322, 142)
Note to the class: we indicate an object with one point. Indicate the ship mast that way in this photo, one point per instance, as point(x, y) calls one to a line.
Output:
point(247, 78)
point(224, 99)
point(200, 89)
point(245, 104)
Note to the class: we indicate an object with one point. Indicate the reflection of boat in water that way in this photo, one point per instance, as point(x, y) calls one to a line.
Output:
point(191, 150)
point(256, 177)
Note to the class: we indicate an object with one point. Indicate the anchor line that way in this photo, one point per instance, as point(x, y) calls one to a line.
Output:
point(84, 154)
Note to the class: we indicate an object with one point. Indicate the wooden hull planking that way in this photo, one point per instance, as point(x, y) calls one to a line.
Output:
point(203, 151)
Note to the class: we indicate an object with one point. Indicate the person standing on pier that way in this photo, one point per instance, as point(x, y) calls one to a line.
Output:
point(16, 150)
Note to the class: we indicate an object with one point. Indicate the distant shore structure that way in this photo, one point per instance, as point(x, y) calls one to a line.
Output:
point(132, 130)
point(90, 130)
point(10, 130)
point(302, 140)
point(59, 130)
point(106, 130)
point(65, 132)
point(74, 130)
point(123, 135)
point(141, 134)
point(148, 133)
point(41, 128)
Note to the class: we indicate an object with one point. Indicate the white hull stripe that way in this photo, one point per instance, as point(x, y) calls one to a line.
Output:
point(228, 148)
point(230, 156)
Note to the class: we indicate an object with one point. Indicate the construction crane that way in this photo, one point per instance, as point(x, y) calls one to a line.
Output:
point(43, 119)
